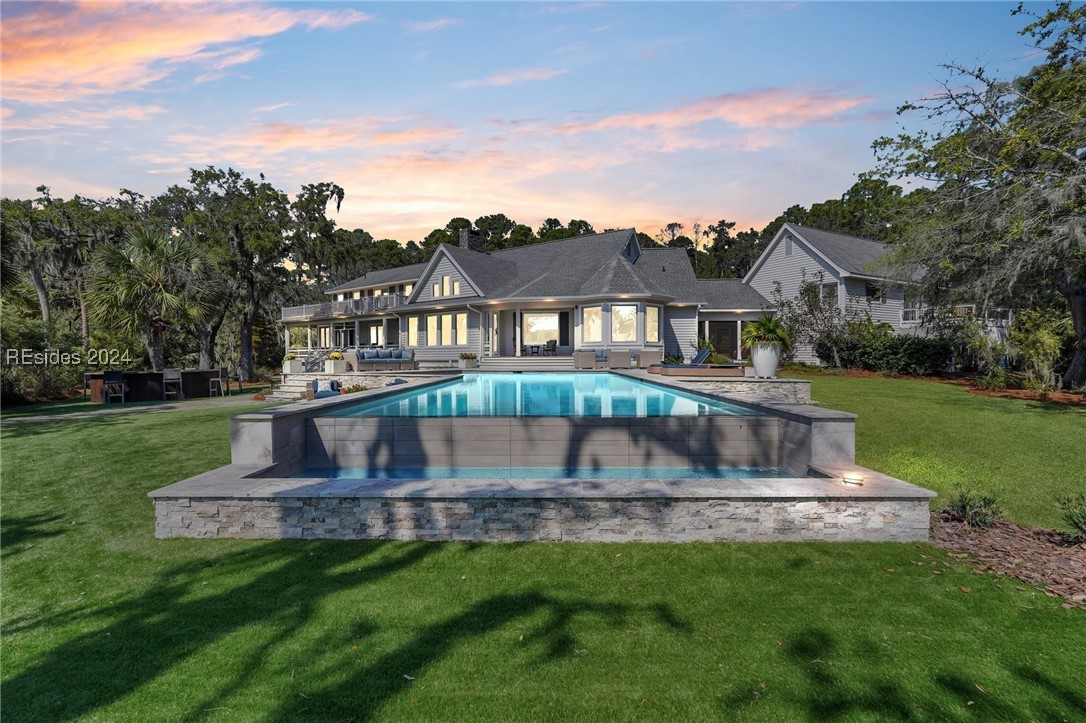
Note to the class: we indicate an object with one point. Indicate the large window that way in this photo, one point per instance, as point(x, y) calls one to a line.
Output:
point(592, 325)
point(431, 331)
point(456, 288)
point(540, 327)
point(652, 324)
point(461, 329)
point(446, 330)
point(623, 323)
point(413, 331)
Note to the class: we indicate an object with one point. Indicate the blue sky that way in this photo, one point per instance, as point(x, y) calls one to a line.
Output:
point(631, 114)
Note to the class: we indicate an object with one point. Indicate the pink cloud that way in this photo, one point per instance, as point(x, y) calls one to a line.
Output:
point(56, 52)
point(512, 77)
point(768, 108)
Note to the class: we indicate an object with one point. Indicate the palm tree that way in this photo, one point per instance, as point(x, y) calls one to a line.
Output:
point(147, 285)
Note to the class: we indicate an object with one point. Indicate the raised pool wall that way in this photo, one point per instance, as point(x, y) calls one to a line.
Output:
point(254, 497)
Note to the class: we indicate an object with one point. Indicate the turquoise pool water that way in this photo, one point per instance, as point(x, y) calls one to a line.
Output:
point(544, 395)
point(547, 473)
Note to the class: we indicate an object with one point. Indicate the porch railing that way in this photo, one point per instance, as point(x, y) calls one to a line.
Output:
point(350, 307)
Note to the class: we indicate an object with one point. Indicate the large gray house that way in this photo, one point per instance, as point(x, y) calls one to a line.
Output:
point(598, 292)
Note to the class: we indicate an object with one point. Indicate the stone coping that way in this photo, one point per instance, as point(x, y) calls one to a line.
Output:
point(314, 407)
point(242, 482)
point(772, 407)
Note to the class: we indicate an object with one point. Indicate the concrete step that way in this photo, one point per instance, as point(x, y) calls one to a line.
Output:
point(533, 363)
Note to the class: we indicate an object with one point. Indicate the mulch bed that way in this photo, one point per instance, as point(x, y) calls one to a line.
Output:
point(1036, 557)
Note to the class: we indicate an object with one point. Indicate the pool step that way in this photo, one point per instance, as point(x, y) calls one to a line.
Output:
point(530, 363)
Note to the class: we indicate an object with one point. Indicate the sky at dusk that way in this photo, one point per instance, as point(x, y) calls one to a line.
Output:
point(627, 114)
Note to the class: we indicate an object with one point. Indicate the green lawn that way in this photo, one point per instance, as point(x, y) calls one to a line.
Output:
point(103, 622)
point(939, 436)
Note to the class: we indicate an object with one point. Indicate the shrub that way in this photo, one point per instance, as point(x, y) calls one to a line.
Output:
point(467, 355)
point(993, 378)
point(290, 357)
point(335, 356)
point(767, 330)
point(1074, 513)
point(975, 510)
point(1037, 336)
point(875, 350)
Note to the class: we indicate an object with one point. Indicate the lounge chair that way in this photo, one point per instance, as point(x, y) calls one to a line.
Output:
point(697, 368)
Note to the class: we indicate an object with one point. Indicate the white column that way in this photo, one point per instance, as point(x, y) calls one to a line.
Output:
point(357, 333)
point(739, 338)
point(384, 331)
point(286, 341)
point(308, 337)
point(519, 333)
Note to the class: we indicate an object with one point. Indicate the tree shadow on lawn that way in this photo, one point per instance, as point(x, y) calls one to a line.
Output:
point(826, 696)
point(174, 620)
point(21, 533)
point(192, 606)
point(17, 430)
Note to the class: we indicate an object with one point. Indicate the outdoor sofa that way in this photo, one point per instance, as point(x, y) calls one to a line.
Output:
point(383, 360)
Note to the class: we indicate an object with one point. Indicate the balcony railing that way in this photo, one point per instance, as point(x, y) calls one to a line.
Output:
point(350, 307)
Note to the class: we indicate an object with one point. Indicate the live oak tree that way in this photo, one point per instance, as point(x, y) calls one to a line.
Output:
point(1005, 221)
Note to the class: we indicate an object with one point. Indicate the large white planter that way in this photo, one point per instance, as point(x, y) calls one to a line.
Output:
point(335, 366)
point(294, 366)
point(766, 356)
point(469, 363)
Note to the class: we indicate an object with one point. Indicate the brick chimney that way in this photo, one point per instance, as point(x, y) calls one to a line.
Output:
point(472, 240)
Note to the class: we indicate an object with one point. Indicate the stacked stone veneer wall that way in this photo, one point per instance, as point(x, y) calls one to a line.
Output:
point(396, 443)
point(797, 391)
point(567, 519)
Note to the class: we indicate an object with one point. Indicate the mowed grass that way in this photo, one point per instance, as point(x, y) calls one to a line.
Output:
point(103, 622)
point(940, 436)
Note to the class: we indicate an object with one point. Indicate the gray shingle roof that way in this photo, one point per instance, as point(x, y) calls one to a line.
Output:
point(590, 266)
point(724, 294)
point(852, 254)
point(384, 276)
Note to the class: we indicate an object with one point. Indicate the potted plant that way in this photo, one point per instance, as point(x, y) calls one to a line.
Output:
point(293, 365)
point(335, 364)
point(766, 338)
point(469, 360)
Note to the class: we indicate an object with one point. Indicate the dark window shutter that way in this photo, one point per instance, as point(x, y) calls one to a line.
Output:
point(563, 328)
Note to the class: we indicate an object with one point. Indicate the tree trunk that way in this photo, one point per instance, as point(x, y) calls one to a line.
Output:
point(206, 336)
point(1075, 376)
point(43, 293)
point(156, 349)
point(248, 317)
point(84, 322)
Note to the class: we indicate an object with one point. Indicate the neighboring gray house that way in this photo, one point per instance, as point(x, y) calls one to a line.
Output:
point(598, 292)
point(848, 265)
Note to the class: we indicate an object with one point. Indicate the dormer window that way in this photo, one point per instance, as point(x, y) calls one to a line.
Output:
point(787, 245)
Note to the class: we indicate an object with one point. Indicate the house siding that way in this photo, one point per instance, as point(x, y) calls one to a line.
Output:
point(680, 330)
point(790, 271)
point(890, 312)
point(426, 353)
point(444, 267)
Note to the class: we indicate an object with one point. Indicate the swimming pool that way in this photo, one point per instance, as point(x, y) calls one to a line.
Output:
point(544, 395)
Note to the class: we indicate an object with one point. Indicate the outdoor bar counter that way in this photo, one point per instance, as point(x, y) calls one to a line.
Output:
point(147, 386)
